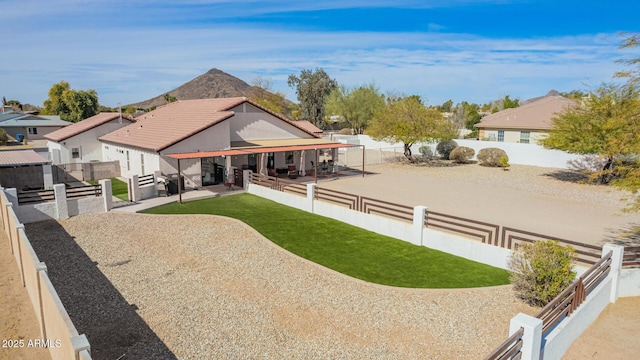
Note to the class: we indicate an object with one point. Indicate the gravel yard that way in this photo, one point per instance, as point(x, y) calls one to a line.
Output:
point(198, 286)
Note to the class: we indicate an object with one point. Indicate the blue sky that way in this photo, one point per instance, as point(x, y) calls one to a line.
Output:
point(476, 51)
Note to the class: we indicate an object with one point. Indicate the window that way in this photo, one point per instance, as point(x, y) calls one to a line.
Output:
point(75, 153)
point(142, 164)
point(524, 137)
point(501, 135)
point(32, 131)
point(288, 155)
point(128, 164)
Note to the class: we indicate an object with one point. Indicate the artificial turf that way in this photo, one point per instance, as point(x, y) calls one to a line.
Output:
point(345, 248)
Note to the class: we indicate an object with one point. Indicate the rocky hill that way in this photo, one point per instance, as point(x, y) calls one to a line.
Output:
point(213, 84)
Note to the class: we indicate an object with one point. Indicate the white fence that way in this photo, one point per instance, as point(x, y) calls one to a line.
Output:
point(521, 154)
point(56, 329)
point(555, 343)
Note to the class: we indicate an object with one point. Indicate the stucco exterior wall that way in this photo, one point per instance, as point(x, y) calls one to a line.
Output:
point(141, 162)
point(251, 123)
point(211, 139)
point(511, 135)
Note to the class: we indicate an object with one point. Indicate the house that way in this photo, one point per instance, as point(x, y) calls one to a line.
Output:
point(308, 126)
point(31, 126)
point(206, 140)
point(527, 124)
point(79, 142)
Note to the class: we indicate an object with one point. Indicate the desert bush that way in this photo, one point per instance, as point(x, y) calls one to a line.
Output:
point(504, 162)
point(3, 137)
point(444, 148)
point(462, 154)
point(345, 131)
point(541, 270)
point(426, 151)
point(491, 156)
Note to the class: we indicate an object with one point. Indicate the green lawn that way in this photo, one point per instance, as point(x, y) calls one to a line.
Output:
point(348, 249)
point(120, 189)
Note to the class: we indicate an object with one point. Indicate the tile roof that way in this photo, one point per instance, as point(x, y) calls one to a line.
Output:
point(308, 126)
point(21, 157)
point(84, 125)
point(535, 115)
point(174, 122)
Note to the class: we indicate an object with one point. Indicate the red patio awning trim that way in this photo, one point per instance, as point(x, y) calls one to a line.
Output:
point(258, 150)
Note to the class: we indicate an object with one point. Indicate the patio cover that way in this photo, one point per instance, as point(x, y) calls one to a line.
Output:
point(258, 150)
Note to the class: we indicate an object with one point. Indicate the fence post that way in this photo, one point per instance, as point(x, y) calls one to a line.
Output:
point(107, 194)
point(616, 268)
point(311, 190)
point(532, 337)
point(418, 224)
point(47, 176)
point(41, 267)
point(60, 193)
point(135, 189)
point(80, 343)
point(246, 175)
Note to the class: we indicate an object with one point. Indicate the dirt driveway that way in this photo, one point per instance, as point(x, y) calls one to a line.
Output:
point(542, 200)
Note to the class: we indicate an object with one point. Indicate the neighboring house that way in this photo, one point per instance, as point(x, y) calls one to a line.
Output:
point(528, 123)
point(208, 138)
point(79, 142)
point(32, 127)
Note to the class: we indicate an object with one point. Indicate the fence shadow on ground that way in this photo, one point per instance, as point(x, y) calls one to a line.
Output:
point(95, 306)
point(628, 235)
point(573, 176)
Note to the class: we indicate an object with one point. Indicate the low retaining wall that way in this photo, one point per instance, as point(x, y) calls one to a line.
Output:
point(57, 331)
point(62, 207)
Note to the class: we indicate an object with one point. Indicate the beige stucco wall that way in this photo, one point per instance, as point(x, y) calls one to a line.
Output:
point(250, 123)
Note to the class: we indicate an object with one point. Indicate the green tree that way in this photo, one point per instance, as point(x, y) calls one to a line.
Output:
point(168, 98)
point(312, 88)
point(447, 106)
point(408, 121)
point(355, 107)
point(3, 137)
point(606, 125)
point(71, 105)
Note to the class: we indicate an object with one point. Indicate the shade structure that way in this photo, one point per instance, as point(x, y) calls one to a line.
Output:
point(302, 167)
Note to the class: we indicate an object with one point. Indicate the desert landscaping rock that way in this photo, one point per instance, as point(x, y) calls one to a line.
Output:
point(210, 287)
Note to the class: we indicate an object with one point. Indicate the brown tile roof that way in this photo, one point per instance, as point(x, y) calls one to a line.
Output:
point(308, 126)
point(21, 157)
point(174, 122)
point(84, 125)
point(535, 115)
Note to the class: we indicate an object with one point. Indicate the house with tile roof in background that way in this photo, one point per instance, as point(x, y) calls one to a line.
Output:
point(206, 140)
point(526, 124)
point(79, 143)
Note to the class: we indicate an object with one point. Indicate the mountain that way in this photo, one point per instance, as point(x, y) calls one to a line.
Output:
point(212, 84)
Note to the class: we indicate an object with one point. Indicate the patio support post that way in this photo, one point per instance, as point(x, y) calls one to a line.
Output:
point(179, 184)
point(315, 166)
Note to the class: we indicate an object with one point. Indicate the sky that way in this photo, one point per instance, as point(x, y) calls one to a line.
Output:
point(463, 50)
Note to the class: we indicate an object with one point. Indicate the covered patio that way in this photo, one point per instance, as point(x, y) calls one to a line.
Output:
point(299, 162)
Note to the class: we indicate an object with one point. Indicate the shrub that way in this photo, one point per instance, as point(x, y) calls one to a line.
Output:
point(491, 156)
point(3, 137)
point(504, 162)
point(426, 151)
point(462, 154)
point(444, 148)
point(541, 270)
point(345, 131)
